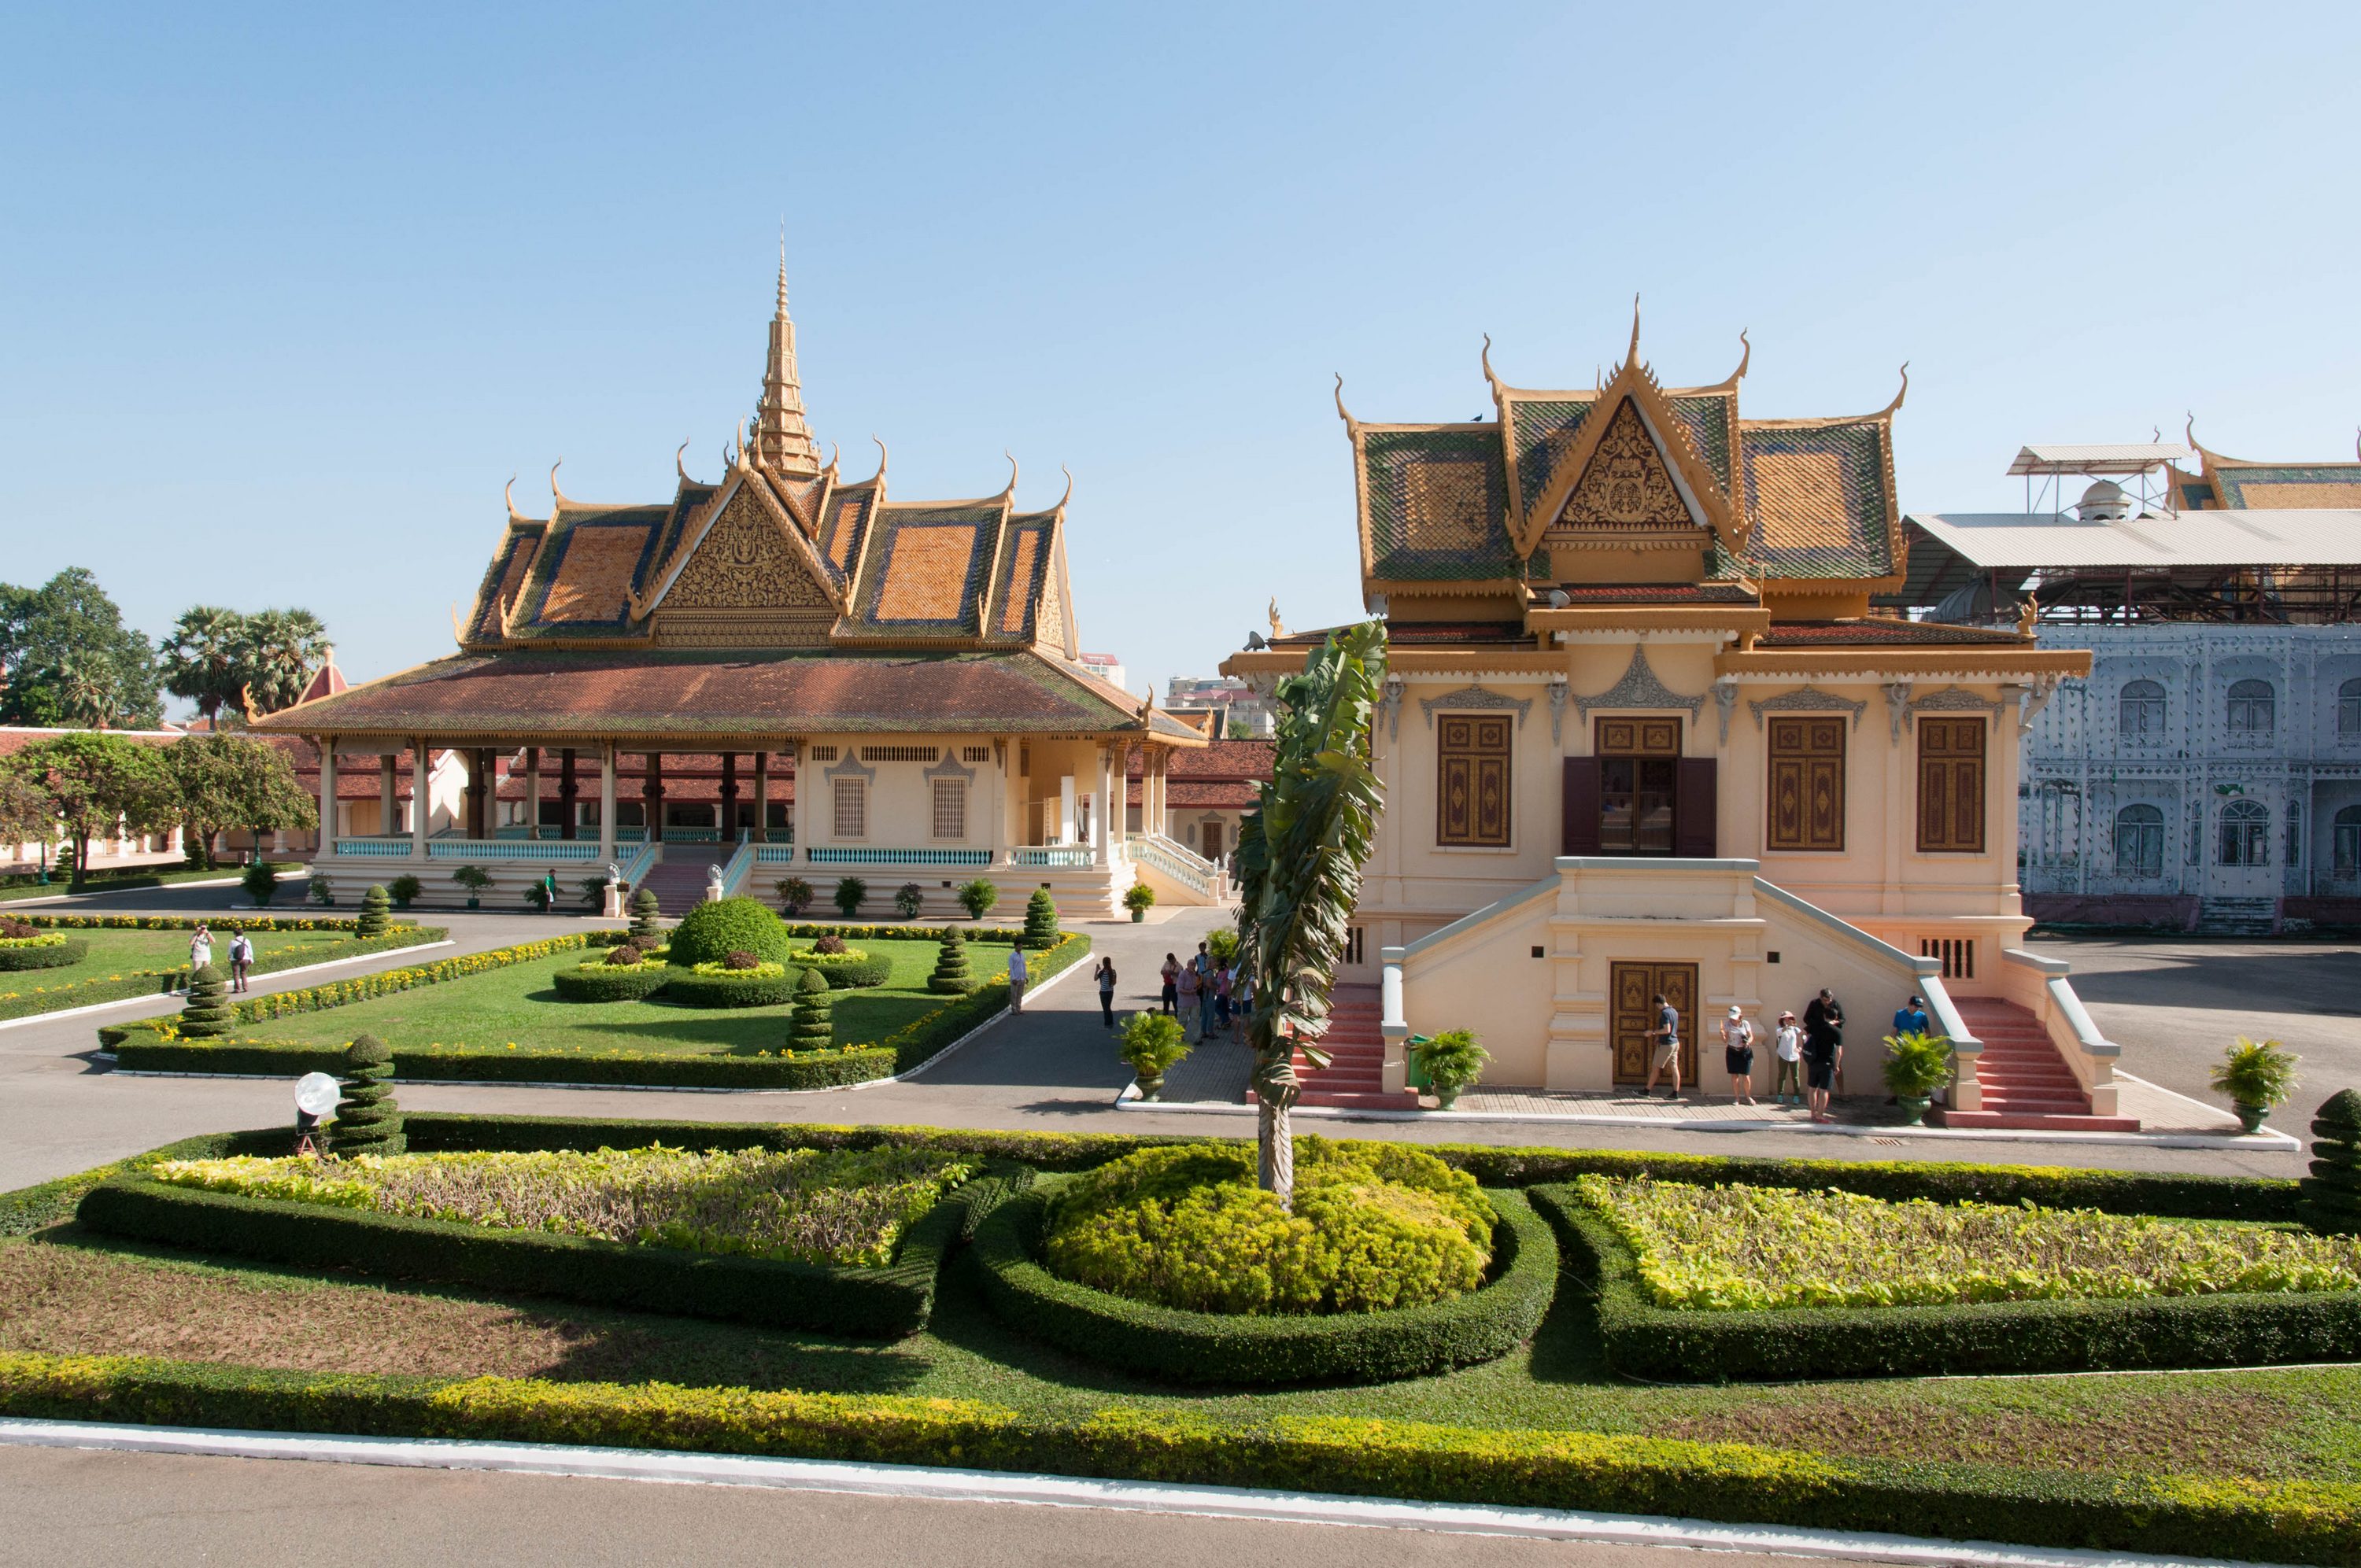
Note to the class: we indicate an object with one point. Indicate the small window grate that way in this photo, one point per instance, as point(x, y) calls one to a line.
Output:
point(975, 754)
point(822, 754)
point(901, 753)
point(1352, 949)
point(1958, 953)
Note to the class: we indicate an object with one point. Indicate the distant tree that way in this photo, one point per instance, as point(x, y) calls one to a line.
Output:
point(94, 782)
point(282, 650)
point(26, 815)
point(1239, 730)
point(233, 783)
point(204, 658)
point(70, 661)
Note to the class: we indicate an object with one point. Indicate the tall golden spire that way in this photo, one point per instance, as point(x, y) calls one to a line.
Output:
point(782, 440)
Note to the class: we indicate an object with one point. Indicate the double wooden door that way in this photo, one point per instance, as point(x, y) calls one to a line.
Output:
point(1632, 992)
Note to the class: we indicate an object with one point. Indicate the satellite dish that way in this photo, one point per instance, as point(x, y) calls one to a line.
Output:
point(316, 1094)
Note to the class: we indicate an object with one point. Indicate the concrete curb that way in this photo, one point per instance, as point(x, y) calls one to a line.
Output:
point(274, 974)
point(994, 1487)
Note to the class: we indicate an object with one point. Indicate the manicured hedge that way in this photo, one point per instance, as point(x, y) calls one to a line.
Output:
point(242, 920)
point(32, 955)
point(1643, 1340)
point(690, 989)
point(1213, 1347)
point(2281, 1522)
point(611, 982)
point(803, 933)
point(846, 971)
point(860, 1303)
point(21, 999)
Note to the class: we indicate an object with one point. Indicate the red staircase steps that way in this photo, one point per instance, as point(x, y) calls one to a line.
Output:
point(1354, 1078)
point(679, 884)
point(2026, 1084)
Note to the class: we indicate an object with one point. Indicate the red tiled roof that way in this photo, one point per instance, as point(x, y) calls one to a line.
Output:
point(1879, 633)
point(1644, 593)
point(1251, 760)
point(1234, 794)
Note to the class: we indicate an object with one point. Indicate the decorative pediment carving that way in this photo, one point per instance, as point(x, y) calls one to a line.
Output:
point(1809, 699)
point(1626, 484)
point(1638, 688)
point(746, 562)
point(1476, 699)
point(1629, 472)
point(950, 767)
point(851, 767)
point(1957, 699)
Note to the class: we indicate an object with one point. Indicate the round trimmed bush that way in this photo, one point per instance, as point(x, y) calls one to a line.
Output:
point(374, 906)
point(813, 1028)
point(951, 977)
point(610, 982)
point(711, 931)
point(847, 970)
point(724, 988)
point(367, 1120)
point(52, 951)
point(208, 1012)
point(1040, 919)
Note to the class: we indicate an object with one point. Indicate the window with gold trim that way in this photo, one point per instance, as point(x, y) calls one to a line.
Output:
point(1951, 786)
point(1807, 783)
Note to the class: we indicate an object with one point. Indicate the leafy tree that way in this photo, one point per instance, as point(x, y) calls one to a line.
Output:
point(26, 815)
point(283, 648)
point(1299, 860)
point(233, 782)
point(70, 661)
point(205, 658)
point(94, 781)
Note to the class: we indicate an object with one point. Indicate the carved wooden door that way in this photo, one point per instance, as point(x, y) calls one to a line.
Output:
point(1632, 991)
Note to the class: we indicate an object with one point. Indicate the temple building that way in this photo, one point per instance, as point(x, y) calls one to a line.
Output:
point(911, 665)
point(2206, 774)
point(1642, 733)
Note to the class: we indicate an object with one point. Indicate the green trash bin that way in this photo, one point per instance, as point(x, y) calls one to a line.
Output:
point(1417, 1062)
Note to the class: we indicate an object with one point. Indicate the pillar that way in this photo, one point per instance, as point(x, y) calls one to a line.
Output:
point(1102, 837)
point(569, 790)
point(328, 794)
point(651, 792)
point(730, 823)
point(762, 796)
point(479, 791)
point(1065, 808)
point(533, 792)
point(605, 804)
point(1004, 753)
point(422, 800)
point(387, 802)
point(796, 753)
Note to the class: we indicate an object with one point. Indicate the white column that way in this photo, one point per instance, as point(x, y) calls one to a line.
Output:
point(386, 803)
point(1065, 808)
point(606, 806)
point(799, 809)
point(328, 794)
point(1005, 749)
point(1100, 835)
point(422, 796)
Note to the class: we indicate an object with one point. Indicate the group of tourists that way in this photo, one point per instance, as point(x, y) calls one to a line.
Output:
point(1218, 994)
point(1808, 1054)
point(241, 954)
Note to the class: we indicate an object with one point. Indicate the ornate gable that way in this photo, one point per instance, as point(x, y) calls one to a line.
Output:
point(1629, 473)
point(1625, 483)
point(746, 583)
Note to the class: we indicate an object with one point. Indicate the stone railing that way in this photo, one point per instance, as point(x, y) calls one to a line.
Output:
point(850, 855)
point(375, 849)
point(1178, 862)
point(509, 849)
point(1080, 855)
point(2039, 986)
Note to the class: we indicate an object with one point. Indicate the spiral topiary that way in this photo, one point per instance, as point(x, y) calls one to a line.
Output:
point(710, 931)
point(645, 911)
point(374, 904)
point(2332, 1193)
point(812, 1027)
point(951, 977)
point(1040, 920)
point(367, 1120)
point(208, 1012)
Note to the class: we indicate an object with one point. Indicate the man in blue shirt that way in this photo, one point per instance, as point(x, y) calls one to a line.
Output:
point(1912, 1018)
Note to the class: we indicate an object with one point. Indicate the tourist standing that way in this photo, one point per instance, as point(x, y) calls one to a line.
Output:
point(1188, 997)
point(1738, 1055)
point(1667, 1052)
point(1106, 992)
point(1910, 1018)
point(1823, 1051)
point(1016, 978)
point(200, 949)
point(1171, 977)
point(1787, 1045)
point(241, 958)
point(1205, 982)
point(1221, 978)
point(549, 893)
point(1242, 997)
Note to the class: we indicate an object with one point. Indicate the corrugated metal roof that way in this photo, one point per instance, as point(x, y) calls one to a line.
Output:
point(2321, 537)
point(2134, 457)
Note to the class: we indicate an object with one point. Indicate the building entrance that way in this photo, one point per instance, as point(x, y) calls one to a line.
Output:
point(1632, 991)
point(1639, 784)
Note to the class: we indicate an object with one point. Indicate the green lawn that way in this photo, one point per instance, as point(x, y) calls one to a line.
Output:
point(519, 1006)
point(117, 957)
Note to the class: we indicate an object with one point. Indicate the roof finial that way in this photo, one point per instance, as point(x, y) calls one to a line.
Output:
point(1631, 355)
point(1342, 412)
point(1905, 392)
point(2189, 430)
point(676, 466)
point(508, 494)
point(783, 437)
point(553, 490)
point(1011, 488)
point(1745, 357)
point(879, 477)
point(1488, 360)
point(783, 267)
point(1068, 495)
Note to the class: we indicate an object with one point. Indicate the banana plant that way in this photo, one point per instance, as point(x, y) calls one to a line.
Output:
point(1299, 860)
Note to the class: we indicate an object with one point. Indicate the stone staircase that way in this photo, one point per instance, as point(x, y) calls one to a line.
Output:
point(2238, 917)
point(2026, 1084)
point(679, 884)
point(1354, 1078)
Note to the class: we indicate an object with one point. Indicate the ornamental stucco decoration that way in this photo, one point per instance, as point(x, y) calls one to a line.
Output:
point(851, 767)
point(1898, 706)
point(1807, 700)
point(950, 768)
point(1638, 688)
point(1558, 692)
point(1958, 699)
point(1725, 699)
point(1389, 704)
point(1476, 698)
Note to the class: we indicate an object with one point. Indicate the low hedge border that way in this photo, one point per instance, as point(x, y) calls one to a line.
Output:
point(240, 918)
point(611, 982)
point(33, 999)
point(23, 886)
point(1226, 1348)
point(16, 957)
point(856, 1302)
point(903, 931)
point(2283, 1521)
point(690, 989)
point(1668, 1345)
point(844, 972)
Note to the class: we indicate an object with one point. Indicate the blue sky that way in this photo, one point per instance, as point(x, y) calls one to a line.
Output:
point(285, 297)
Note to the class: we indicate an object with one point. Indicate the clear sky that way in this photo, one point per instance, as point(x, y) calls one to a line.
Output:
point(285, 297)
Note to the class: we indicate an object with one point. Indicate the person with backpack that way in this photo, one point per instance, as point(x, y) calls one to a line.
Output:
point(1171, 973)
point(241, 958)
point(1823, 1051)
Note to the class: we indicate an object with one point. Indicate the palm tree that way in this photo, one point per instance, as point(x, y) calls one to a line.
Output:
point(282, 647)
point(87, 693)
point(1299, 861)
point(203, 656)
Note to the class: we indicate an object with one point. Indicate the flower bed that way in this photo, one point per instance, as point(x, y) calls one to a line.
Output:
point(846, 969)
point(53, 949)
point(1752, 1248)
point(711, 985)
point(604, 982)
point(803, 1204)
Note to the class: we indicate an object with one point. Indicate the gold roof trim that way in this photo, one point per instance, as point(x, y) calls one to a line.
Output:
point(1634, 380)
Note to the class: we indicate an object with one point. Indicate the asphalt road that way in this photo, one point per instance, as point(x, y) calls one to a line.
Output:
point(80, 1509)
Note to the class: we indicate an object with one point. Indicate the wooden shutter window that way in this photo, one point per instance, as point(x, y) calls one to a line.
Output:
point(1696, 810)
point(1580, 812)
point(1951, 786)
point(1808, 784)
point(1472, 781)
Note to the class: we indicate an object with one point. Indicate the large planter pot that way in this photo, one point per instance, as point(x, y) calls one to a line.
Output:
point(1151, 1088)
point(1137, 915)
point(1913, 1108)
point(1444, 1099)
point(2250, 1117)
point(474, 902)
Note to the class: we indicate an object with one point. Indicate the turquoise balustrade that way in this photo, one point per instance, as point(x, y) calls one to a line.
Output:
point(774, 854)
point(374, 849)
point(1068, 855)
point(861, 857)
point(511, 849)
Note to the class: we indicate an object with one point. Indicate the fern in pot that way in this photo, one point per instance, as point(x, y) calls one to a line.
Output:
point(1452, 1060)
point(1149, 1043)
point(2258, 1076)
point(1916, 1065)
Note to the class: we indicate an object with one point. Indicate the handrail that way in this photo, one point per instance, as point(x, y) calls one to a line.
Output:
point(1198, 878)
point(509, 849)
point(741, 866)
point(643, 861)
point(1050, 855)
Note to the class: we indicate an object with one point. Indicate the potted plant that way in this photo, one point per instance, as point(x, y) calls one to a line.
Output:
point(2258, 1076)
point(404, 888)
point(537, 895)
point(849, 892)
point(1149, 1043)
point(1917, 1066)
point(475, 879)
point(1138, 898)
point(906, 899)
point(977, 897)
point(322, 895)
point(1452, 1060)
point(795, 895)
point(260, 880)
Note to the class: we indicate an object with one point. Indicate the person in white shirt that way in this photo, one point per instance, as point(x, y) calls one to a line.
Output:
point(1788, 1047)
point(1738, 1055)
point(200, 952)
point(1016, 978)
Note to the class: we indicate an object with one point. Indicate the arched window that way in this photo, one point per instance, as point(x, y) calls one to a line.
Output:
point(2139, 842)
point(2254, 710)
point(2139, 711)
point(2348, 707)
point(2245, 834)
point(2348, 843)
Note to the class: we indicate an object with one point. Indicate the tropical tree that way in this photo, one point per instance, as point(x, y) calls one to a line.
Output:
point(1298, 863)
point(25, 816)
point(233, 783)
point(204, 658)
point(69, 660)
point(94, 782)
point(282, 649)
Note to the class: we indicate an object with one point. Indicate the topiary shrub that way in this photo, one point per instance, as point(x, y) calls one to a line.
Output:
point(623, 954)
point(15, 930)
point(846, 969)
point(208, 1012)
point(24, 947)
point(2332, 1190)
point(710, 932)
point(367, 1119)
point(977, 897)
point(740, 959)
point(849, 892)
point(610, 982)
point(374, 904)
point(647, 914)
point(260, 880)
point(813, 1027)
point(951, 977)
point(823, 946)
point(767, 985)
point(1040, 920)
